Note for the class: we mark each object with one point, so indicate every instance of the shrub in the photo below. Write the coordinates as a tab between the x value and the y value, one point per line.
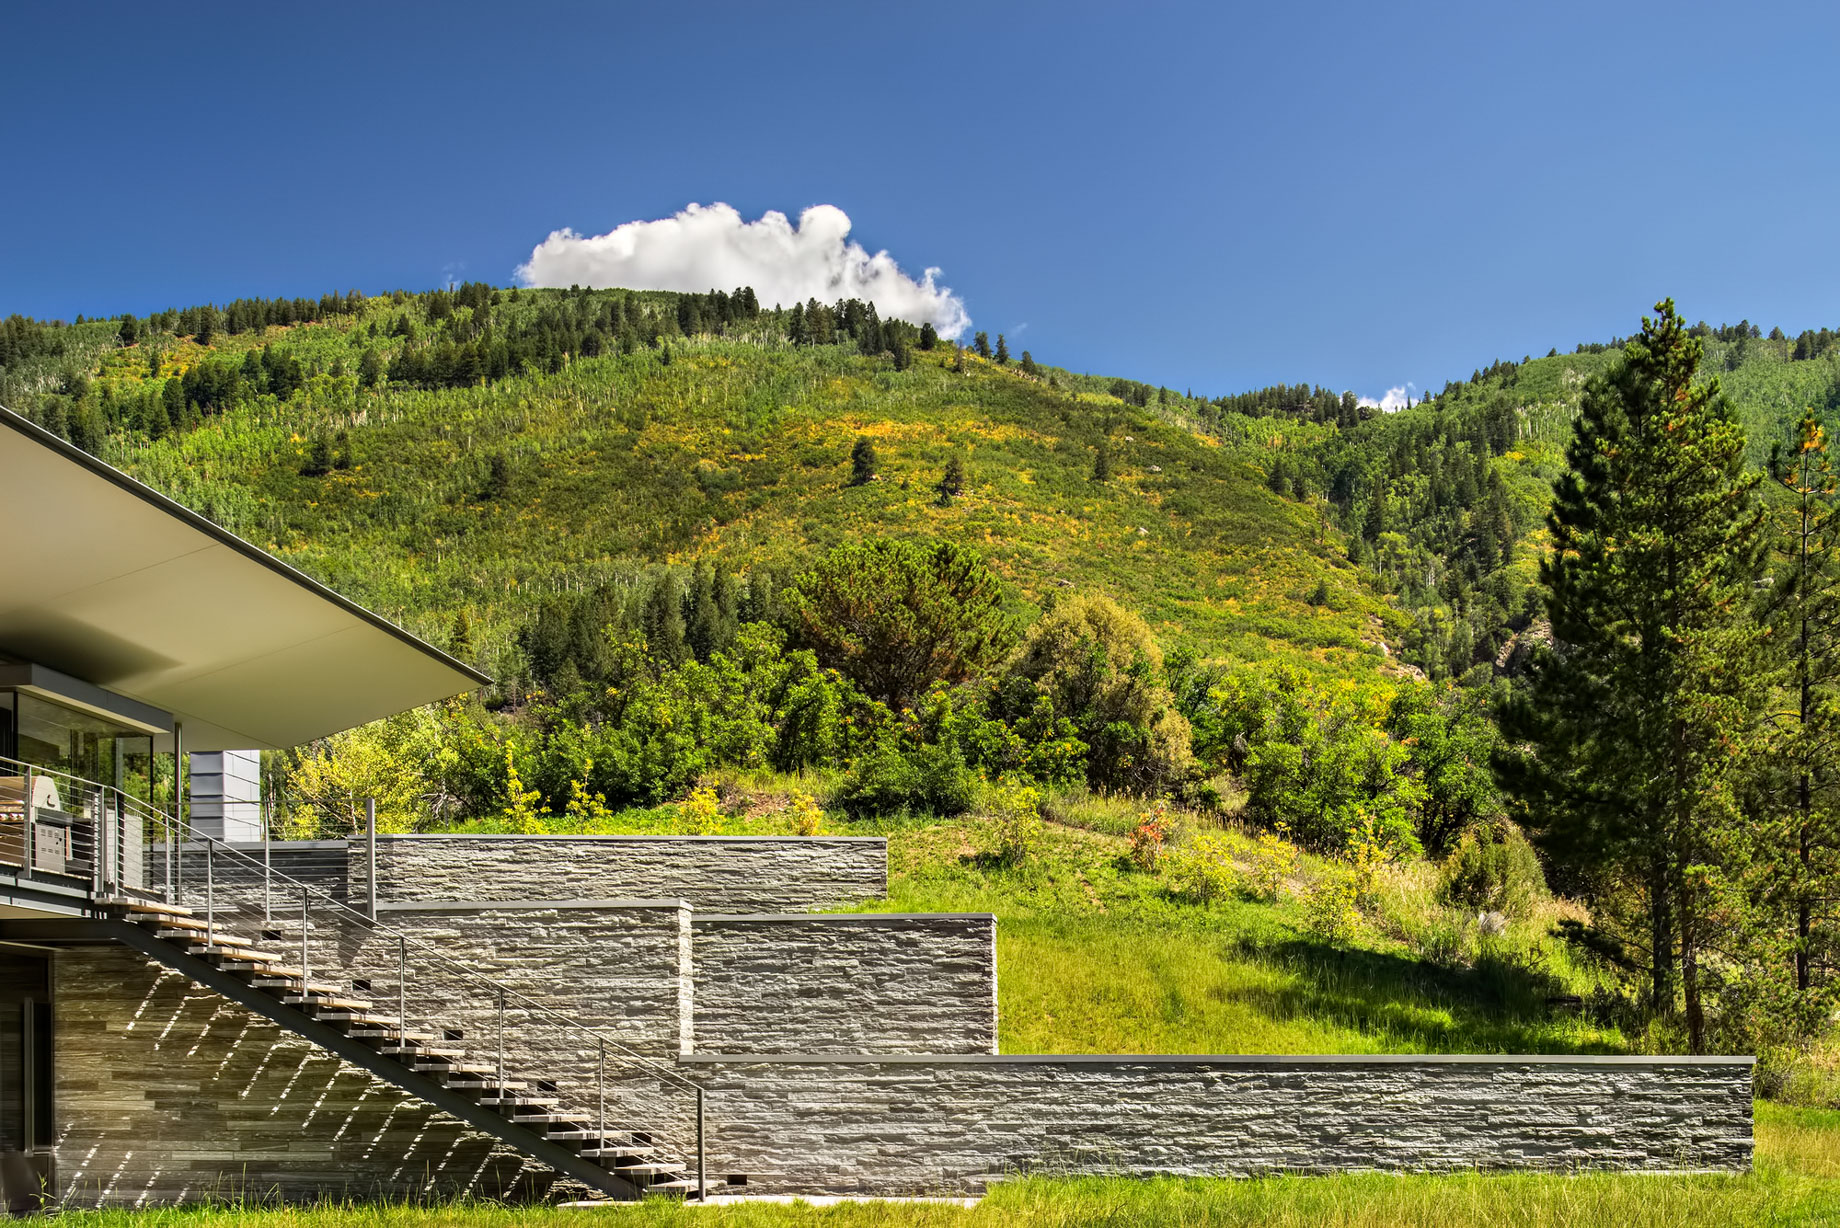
1202	870
1274	861
1329	908
1493	869
1016	825
1102	668
1147	840
888	779
700	812
806	818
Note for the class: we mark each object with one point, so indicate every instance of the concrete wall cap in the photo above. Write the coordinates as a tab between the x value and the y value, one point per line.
840	918
525	905
1125	1060
557	837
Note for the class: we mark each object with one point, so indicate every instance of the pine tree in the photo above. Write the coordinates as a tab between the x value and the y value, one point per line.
460	637
951	482
1631	729
663	620
1002	354
1102	462
1028	364
981	343
1803	613
929	336
862	462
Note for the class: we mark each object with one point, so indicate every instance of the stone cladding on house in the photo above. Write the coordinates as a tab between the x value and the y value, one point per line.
168	1093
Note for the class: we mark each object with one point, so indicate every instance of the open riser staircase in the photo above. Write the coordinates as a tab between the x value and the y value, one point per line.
526	1114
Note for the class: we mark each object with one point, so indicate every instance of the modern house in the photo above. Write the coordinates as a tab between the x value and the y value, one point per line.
187	1013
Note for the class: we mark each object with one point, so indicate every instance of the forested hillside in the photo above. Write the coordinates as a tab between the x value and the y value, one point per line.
690	536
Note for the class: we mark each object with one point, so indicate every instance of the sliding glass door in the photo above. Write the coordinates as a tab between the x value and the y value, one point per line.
26	1083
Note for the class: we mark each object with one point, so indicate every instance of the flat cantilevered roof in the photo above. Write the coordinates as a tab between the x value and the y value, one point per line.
109	581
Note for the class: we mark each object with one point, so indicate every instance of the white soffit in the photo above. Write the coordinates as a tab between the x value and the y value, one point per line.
106	580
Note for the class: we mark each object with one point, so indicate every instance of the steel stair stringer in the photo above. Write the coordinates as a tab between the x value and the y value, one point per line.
202	972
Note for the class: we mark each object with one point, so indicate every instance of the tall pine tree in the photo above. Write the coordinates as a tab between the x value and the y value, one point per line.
1633	727
1803	615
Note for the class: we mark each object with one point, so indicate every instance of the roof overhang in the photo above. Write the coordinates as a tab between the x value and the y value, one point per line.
109	581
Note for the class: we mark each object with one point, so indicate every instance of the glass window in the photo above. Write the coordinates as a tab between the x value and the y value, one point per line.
61	739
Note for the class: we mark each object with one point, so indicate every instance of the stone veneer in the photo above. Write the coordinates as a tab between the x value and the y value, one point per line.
712	873
846	983
950	1125
168	1093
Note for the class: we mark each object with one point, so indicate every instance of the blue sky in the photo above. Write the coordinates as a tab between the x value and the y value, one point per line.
1208	196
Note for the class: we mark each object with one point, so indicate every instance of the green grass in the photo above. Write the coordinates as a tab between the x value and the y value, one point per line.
1095	956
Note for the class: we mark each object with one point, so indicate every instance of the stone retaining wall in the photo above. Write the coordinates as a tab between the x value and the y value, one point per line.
944	1125
846	983
618	967
168	1093
712	873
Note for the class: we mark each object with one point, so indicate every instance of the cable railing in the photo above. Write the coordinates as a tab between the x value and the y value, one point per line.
51	822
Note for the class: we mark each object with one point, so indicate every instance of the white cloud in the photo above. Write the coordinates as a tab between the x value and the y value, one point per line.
710	247
1395	398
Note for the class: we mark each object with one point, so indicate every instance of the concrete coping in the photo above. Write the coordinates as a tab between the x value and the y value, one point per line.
843	918
523	905
278	846
543	837
1221	1059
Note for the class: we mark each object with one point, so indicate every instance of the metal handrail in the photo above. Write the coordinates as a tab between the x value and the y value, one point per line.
178	831
405	941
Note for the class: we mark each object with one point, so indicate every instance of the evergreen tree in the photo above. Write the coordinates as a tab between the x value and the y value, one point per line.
1002	355
1029	367
703	625
370	369
1632	726
1102	462
460	638
951	482
319	459
981	343
929	336
862	462
1803	613
663	620
130	330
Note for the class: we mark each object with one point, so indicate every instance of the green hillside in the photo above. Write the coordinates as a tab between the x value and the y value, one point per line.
736	448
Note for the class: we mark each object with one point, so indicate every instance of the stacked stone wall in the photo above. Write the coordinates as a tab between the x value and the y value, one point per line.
846	983
950	1125
728	874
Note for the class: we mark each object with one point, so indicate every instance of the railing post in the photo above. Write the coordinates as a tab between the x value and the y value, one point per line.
702	1183
266	820
304	969
210	890
402	988
98	843
178	840
370	841
31	828
600	1091
501	1042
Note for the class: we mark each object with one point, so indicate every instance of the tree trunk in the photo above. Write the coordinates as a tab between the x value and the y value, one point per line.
1661	939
